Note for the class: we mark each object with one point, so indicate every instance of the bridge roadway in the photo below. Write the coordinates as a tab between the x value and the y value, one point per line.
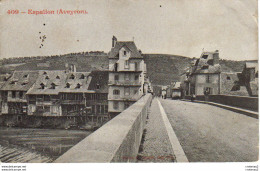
212	134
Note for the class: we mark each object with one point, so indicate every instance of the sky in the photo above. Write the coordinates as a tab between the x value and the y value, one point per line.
179	27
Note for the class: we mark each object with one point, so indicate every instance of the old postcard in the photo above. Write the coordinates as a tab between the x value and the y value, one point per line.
118	81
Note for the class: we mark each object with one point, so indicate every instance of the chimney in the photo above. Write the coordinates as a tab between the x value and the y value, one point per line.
114	40
216	57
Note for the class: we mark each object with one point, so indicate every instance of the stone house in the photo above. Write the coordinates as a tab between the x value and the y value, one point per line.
97	102
13	92
206	75
126	76
58	93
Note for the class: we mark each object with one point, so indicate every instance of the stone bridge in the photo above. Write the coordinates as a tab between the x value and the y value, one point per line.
165	130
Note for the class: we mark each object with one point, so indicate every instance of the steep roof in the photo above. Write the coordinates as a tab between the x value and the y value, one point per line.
130	45
20	81
77	82
99	78
252	64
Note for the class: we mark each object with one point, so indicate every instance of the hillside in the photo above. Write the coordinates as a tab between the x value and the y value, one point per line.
162	69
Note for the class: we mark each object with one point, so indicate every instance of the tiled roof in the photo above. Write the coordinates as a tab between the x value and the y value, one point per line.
20	81
252	65
99	78
130	45
78	82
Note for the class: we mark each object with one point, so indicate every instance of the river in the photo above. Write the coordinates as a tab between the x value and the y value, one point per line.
26	145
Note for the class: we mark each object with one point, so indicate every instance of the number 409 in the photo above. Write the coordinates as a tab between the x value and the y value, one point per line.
13	12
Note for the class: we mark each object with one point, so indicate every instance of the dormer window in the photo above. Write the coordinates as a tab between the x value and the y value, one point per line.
78	85
47	77
58	77
72	77
205	56
53	86
25	76
82	76
67	85
44	73
205	67
42	86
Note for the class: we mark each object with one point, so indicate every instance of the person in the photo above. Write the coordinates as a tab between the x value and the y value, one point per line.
206	94
192	97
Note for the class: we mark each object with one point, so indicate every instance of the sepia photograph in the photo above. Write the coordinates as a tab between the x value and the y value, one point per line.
128	81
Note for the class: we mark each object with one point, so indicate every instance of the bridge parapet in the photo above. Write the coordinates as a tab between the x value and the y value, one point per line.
116	141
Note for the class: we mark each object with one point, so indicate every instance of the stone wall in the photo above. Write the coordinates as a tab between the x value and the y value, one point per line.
244	102
116	141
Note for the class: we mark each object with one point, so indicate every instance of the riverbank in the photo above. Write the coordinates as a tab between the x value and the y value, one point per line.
90	123
43	145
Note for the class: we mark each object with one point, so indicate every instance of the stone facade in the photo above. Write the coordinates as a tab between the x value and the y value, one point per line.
126	76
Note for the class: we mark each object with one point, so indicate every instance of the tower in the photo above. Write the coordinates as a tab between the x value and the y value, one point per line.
126	76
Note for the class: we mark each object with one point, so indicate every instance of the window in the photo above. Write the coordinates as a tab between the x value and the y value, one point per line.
207	78
25	76
42	86
127	77
58	77
72	76
116	92
98	109
12	82
13	94
115	105
53	86
136	77
93	109
126	64
205	56
82	76
44	73
78	85
116	66
67	85
47	77
205	67
98	86
228	78
106	109
136	66
124	53
116	77
127	91
21	94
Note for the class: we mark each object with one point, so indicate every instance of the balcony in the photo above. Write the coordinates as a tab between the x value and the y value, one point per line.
72	102
124	83
134	97
122	68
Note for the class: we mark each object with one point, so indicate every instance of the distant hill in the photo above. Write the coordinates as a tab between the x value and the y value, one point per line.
162	69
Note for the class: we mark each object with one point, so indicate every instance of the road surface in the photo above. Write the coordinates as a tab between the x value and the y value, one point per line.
211	134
